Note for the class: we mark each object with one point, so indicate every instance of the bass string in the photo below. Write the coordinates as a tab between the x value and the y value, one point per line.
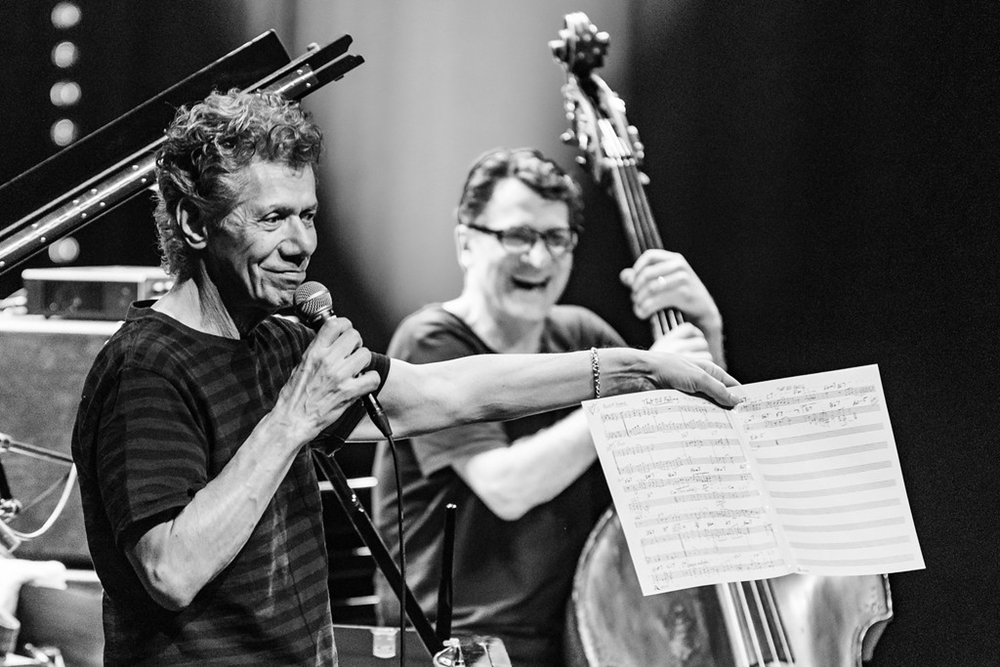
643	235
636	214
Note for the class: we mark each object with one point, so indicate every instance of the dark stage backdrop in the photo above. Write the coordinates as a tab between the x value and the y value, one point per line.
831	171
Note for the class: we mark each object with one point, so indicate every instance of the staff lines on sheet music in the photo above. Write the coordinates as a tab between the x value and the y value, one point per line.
820	454
617	447
657	428
646	505
704	533
822	435
856	562
798	396
857	544
839	509
716	549
653	407
645	427
836	415
665	578
679	401
828	473
680	484
719	514
839	527
836	490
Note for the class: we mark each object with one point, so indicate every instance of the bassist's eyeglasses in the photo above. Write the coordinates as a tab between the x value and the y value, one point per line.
519	240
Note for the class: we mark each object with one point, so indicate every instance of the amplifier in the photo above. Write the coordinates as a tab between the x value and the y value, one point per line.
43	364
91	293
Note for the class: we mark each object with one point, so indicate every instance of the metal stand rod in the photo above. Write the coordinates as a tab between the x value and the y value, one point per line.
445	590
8	443
383	559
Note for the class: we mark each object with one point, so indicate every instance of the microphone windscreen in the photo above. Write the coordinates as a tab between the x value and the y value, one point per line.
312	299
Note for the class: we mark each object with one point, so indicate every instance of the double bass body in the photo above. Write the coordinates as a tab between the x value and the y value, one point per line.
827	621
796	620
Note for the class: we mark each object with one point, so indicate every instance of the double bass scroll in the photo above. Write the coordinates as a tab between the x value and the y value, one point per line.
790	621
609	144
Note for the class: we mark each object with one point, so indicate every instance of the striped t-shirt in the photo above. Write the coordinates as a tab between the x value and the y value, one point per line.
164	408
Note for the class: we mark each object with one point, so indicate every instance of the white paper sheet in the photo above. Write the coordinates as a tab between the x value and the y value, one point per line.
803	476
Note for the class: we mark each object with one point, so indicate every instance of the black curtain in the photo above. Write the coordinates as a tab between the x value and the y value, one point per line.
830	170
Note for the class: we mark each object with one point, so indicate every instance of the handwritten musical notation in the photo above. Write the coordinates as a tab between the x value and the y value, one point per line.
803	476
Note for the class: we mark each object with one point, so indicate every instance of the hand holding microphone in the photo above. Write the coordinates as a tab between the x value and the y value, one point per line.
314	306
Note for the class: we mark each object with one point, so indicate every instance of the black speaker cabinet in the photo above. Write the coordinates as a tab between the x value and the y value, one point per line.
43	364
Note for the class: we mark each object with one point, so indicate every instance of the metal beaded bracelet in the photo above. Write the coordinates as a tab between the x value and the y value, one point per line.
595	367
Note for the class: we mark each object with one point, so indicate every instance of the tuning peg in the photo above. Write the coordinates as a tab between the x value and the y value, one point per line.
581	160
558	48
568	137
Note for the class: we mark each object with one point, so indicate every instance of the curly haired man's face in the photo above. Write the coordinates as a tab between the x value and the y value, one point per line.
259	254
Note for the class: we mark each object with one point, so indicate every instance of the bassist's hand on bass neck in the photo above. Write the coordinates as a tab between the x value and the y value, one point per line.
661	280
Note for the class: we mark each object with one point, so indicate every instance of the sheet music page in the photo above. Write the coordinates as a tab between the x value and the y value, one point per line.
803	476
823	447
689	506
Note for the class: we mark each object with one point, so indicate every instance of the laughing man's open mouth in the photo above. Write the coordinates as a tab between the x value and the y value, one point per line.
530	284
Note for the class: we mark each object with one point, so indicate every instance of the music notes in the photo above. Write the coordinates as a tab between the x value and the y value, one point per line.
803	476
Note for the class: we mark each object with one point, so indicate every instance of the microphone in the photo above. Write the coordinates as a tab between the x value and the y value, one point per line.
314	305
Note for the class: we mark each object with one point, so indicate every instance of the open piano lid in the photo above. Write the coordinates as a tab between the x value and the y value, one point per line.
90	177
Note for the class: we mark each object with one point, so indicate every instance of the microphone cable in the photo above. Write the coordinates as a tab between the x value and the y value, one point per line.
314	305
381	421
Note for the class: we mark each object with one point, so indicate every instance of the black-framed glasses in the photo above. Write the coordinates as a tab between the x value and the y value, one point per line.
519	240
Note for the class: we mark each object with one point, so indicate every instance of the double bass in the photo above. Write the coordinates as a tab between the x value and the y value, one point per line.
791	621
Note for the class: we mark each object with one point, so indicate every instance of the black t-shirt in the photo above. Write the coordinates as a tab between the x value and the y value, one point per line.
512	579
164	409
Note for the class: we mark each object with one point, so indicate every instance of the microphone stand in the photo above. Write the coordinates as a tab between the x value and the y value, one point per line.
446	589
383	559
9	506
8	443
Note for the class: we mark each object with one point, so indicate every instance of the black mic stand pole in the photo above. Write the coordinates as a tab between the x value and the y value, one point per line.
446	588
383	559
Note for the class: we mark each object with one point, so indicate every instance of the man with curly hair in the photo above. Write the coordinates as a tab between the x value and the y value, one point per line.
200	499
